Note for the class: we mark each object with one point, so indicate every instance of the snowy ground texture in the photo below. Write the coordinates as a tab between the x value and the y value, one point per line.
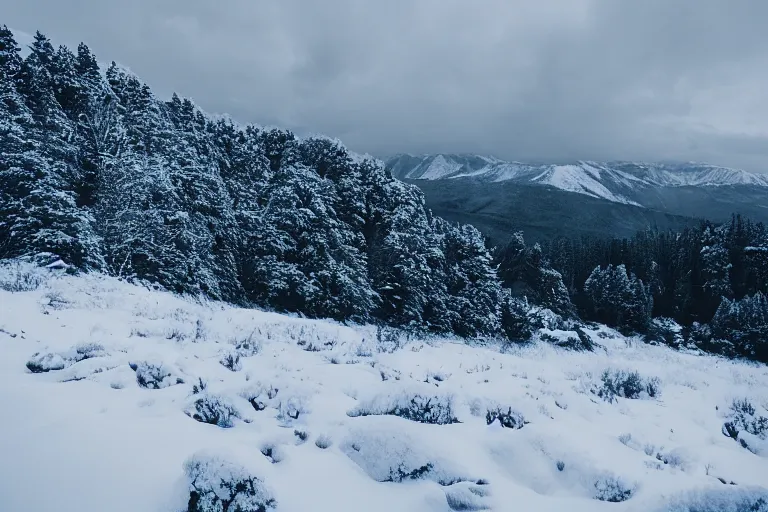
115	397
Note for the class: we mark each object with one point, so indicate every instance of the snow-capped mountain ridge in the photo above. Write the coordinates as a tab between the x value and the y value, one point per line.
615	181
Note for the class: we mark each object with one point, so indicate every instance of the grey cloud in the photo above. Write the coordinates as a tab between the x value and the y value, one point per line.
520	79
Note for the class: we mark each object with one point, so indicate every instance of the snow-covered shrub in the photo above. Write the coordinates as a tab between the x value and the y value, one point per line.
290	409
199	387
624	384
17	276
467	496
323	442
42	362
214	410
674	459
391	455
613	489
515	322
576	339
423	408
155	375
231	361
389	339
56	300
248	347
216	485
506	417
273	452
723	499
259	395
746	425
301	436
542	318
665	331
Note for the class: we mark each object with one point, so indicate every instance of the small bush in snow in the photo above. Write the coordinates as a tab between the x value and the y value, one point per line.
272	452
52	361
743	417
577	339
436	410
612	489
620	383
231	361
258	395
301	436
390	339
248	347
216	485
323	442
291	409
673	459
16	276
391	455
154	375
560	465
199	387
665	331
507	418
214	410
466	496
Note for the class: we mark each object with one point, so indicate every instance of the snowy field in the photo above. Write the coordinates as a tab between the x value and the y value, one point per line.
103	385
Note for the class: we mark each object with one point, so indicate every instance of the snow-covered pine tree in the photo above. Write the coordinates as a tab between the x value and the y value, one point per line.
305	260
139	213
50	219
528	275
245	171
401	248
16	162
473	288
617	299
743	325
207	230
715	270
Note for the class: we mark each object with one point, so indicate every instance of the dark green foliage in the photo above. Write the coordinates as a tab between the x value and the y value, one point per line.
154	375
515	323
400	473
743	325
526	272
613	490
506	418
665	331
214	410
614	298
701	275
620	383
744	417
219	486
420	408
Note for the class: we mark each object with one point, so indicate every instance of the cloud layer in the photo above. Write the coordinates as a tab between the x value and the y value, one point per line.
520	79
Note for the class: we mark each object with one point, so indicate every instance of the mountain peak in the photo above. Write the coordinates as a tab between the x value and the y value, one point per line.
616	181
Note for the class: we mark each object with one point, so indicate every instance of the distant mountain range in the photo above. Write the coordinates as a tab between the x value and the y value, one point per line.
541	198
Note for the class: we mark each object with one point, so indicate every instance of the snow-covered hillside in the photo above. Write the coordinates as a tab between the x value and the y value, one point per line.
614	181
101	384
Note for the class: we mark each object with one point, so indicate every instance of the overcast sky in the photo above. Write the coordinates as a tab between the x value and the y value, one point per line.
545	80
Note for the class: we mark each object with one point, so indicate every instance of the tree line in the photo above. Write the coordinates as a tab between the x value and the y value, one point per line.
710	279
99	171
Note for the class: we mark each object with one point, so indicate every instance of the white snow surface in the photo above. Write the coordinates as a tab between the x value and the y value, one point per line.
88	438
